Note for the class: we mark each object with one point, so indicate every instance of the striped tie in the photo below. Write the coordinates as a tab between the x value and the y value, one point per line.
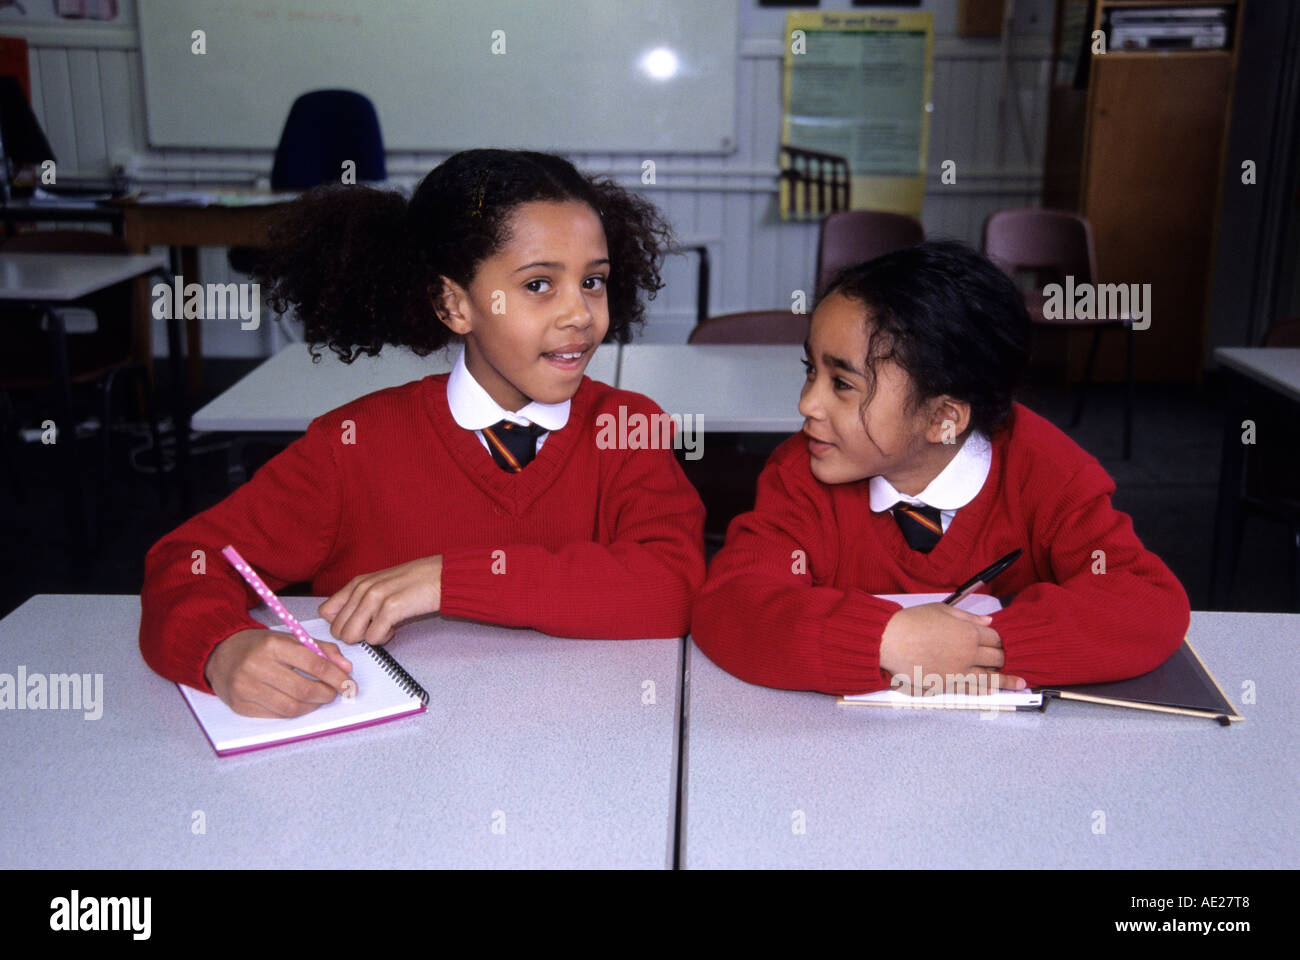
512	446
921	525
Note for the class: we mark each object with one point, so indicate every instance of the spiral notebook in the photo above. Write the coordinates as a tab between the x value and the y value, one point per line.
387	692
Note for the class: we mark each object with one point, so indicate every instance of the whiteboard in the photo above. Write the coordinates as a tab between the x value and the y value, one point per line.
444	75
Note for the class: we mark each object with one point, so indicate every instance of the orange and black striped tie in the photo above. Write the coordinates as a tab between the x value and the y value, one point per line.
921	526
512	446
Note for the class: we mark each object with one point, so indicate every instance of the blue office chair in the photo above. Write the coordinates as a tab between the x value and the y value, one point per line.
324	129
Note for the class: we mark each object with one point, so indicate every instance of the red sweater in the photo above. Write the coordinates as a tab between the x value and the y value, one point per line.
600	543
763	619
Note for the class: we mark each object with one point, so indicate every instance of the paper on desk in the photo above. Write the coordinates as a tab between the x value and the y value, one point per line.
980	604
81	201
178	198
216	198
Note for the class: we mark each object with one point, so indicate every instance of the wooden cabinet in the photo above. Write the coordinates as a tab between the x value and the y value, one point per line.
1149	178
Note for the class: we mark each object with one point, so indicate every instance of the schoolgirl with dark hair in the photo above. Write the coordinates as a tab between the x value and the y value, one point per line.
482	493
914	471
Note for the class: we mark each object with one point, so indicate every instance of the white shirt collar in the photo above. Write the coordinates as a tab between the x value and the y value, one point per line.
473	409
956	485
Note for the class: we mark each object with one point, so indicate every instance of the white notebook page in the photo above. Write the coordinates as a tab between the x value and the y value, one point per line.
379	697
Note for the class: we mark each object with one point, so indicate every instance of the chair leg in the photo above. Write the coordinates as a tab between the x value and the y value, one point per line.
1129	389
106	445
8	420
15	484
1295	567
1087	378
143	374
1230	575
106	433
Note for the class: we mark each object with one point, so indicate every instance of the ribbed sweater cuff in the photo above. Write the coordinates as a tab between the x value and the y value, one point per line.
214	629
469	587
1030	643
851	643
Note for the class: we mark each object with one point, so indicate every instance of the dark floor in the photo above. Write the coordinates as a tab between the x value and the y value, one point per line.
1169	488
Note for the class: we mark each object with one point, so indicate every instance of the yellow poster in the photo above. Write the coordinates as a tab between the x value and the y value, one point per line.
856	117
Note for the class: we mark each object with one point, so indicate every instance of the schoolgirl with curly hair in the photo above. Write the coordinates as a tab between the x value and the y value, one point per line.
483	493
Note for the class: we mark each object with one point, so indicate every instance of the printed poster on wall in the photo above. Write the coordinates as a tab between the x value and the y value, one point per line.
857	87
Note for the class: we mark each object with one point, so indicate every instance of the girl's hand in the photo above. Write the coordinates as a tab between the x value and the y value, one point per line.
255	673
940	639
370	607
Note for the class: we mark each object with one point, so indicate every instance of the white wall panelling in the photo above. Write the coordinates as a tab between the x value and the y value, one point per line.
87	92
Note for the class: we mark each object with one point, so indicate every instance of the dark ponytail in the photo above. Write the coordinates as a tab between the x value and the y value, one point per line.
361	266
343	257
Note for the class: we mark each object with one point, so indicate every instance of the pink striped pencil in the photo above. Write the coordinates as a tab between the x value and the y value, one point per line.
272	601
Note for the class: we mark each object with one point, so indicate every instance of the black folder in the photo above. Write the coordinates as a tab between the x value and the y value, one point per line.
1181	684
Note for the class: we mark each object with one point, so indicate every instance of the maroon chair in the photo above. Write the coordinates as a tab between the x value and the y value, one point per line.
756	326
852	236
1284	333
1053	245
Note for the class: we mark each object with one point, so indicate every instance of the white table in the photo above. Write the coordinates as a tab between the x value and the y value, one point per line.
46	280
288	391
549	737
1276	369
936	788
745	388
62	277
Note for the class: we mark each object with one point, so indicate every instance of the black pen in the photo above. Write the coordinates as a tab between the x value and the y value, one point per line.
985	576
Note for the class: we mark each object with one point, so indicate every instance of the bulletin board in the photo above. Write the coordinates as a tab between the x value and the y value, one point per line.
858	86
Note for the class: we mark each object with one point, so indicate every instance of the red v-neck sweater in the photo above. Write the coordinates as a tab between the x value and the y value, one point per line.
584	542
808	621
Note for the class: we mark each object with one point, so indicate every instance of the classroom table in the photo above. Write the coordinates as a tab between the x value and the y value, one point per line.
64	208
1276	369
184	227
279	398
742	388
553	741
45	281
750	388
286	392
960	789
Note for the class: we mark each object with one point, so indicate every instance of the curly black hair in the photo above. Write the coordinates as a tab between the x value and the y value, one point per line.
951	319
362	266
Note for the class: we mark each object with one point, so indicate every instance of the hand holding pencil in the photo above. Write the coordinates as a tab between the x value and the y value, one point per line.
268	673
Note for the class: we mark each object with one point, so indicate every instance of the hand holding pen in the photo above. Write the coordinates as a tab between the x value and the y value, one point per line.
983	578
939	638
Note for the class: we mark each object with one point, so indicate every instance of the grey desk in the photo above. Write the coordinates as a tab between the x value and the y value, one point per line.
44	281
288	391
283	395
64	277
549	738
747	388
1276	369
68	208
936	788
